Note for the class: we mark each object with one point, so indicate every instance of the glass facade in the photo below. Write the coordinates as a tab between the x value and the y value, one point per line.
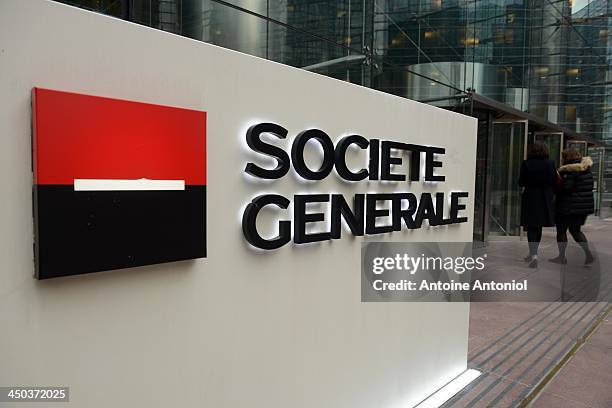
541	68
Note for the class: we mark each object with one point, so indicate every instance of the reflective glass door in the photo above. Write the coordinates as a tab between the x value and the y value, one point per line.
480	191
554	142
597	155
507	150
578	145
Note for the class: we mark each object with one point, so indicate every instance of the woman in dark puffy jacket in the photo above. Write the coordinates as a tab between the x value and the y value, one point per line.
574	202
538	178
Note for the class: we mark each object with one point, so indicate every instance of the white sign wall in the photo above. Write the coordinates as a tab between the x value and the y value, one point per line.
242	327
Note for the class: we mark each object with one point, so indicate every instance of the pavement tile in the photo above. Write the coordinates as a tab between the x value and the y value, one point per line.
548	400
603	336
585	379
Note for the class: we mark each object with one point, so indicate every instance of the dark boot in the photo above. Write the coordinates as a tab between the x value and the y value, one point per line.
560	259
589	258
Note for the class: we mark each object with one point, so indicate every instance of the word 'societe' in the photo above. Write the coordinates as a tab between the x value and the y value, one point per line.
364	216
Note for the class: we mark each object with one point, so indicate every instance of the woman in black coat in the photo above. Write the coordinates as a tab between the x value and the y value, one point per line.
538	178
574	202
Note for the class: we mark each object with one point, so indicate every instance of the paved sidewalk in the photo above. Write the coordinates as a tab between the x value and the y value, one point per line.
518	344
586	381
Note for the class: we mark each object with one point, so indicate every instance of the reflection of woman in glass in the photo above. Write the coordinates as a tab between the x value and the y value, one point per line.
537	177
574	201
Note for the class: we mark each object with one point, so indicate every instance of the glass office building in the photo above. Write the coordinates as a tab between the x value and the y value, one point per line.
527	69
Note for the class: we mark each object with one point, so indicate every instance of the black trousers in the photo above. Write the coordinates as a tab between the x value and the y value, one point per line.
576	233
534	236
574	230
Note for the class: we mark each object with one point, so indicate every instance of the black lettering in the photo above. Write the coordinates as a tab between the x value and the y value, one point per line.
341	167
253	138
415	163
249	222
297	154
386	161
372	213
354	218
455	207
302	218
430	164
374	159
407	214
440	198
425	211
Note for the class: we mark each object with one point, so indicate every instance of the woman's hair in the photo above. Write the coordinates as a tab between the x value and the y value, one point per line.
571	155
537	149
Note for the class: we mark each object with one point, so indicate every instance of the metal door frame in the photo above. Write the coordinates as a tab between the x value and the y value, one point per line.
601	152
561	137
581	142
487	236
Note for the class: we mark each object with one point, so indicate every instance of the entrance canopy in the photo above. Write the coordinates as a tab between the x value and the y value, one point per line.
471	102
535	123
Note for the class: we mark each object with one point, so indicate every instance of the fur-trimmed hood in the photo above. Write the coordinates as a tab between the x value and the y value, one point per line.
584	165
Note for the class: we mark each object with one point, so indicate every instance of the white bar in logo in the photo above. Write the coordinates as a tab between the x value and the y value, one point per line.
142	184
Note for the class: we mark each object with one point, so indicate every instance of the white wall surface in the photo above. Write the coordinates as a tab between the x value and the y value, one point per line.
240	328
